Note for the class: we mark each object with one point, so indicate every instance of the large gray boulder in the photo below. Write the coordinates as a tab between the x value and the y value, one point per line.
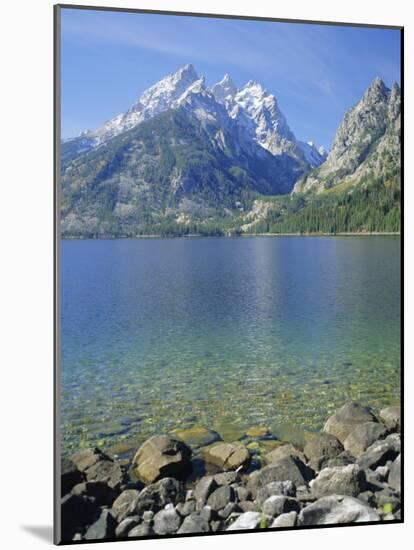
126	525
88	457
286	469
186	508
194	524
167	521
141	530
156	496
162	456
97	466
281	488
363	436
276	505
336	509
346	419
379	453
221	497
247	520
282	452
226	456
391	416
125	504
347	480
322	448
204	487
285	520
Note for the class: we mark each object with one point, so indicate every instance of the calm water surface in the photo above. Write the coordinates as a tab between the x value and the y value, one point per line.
226	333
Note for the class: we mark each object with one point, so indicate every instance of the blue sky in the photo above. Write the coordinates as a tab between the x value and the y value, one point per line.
315	71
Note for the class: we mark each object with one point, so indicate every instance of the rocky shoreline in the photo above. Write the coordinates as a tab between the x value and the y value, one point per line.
350	472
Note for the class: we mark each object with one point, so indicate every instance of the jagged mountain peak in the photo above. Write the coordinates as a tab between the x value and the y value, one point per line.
254	84
376	91
227	79
170	87
366	139
395	89
252	114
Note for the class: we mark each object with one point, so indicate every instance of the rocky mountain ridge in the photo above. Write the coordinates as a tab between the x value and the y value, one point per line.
191	159
367	141
252	107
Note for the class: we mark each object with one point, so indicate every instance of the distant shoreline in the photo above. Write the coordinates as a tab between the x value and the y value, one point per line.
244	235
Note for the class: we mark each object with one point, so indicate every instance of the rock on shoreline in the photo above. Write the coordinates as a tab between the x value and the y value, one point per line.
348	473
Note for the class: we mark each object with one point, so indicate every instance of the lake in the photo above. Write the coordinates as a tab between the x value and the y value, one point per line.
227	333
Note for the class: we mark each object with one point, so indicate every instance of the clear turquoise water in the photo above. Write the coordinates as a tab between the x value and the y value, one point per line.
158	334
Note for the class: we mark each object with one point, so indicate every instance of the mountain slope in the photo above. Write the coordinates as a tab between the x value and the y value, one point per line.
163	168
190	159
367	142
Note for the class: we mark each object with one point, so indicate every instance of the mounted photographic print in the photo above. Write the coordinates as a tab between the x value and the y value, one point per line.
228	274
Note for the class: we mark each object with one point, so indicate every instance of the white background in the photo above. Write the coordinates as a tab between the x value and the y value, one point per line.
26	303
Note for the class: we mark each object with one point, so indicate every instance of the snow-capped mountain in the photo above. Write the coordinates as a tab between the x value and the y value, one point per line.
257	111
156	99
184	151
225	90
251	114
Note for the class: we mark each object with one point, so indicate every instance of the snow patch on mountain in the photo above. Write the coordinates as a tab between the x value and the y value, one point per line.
313	155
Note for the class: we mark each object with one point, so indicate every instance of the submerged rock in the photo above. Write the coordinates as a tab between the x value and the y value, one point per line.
162	456
226	455
258	432
197	436
346	419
